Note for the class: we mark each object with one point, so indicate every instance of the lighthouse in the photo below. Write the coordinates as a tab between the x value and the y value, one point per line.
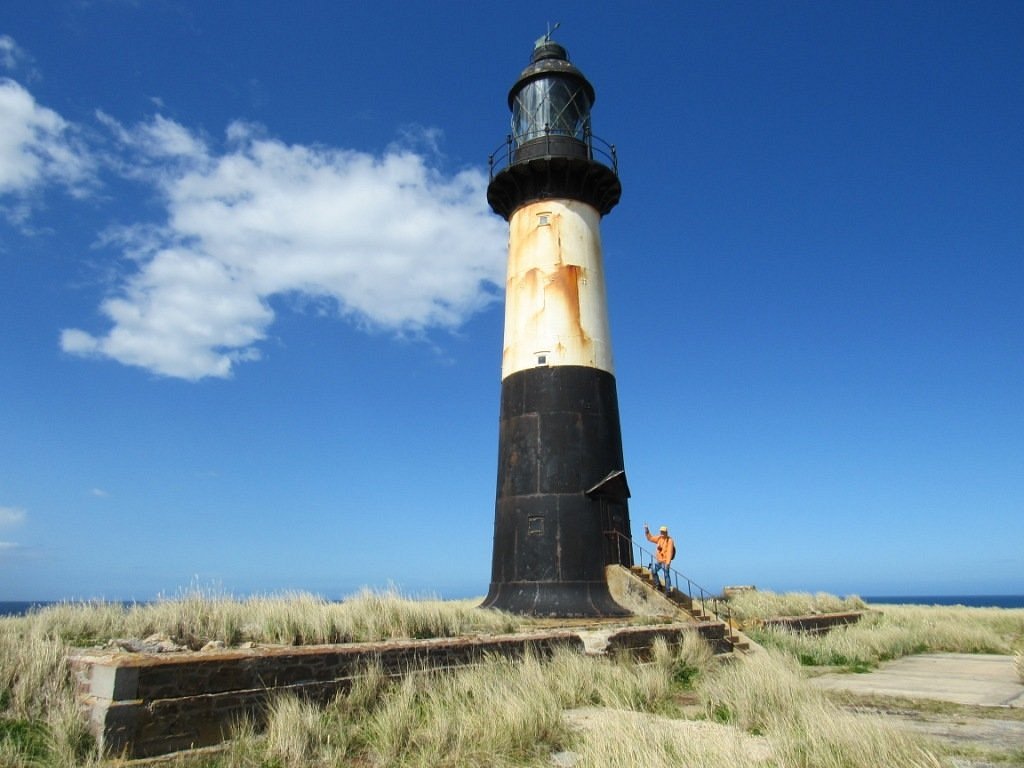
561	514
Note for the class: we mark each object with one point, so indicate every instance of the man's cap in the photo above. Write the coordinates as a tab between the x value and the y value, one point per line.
664	529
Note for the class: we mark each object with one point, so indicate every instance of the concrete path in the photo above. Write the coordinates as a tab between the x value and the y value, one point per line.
980	679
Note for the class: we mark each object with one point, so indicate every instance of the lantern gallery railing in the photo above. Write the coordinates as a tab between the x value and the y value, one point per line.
551	143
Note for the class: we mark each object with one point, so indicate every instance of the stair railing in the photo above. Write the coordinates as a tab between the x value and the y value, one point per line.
720	608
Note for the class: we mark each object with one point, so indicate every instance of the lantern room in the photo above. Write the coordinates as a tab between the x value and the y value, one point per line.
550	105
551	150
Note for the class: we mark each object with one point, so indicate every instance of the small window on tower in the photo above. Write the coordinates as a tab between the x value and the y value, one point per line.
535	526
542	359
543	219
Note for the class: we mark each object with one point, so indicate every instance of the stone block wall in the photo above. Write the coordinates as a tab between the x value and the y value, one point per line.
638	641
143	705
140	705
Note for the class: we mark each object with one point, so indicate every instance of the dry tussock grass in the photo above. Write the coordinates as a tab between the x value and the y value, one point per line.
766	695
611	737
198	616
753	713
894	631
755	604
33	673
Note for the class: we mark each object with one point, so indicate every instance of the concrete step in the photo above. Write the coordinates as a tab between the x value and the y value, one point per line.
716	631
725	642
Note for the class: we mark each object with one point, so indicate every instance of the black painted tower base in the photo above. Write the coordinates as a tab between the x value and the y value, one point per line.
555	521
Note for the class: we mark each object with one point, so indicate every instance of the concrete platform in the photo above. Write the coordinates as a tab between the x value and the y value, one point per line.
985	680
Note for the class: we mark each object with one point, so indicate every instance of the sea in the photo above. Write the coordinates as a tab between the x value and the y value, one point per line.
21	607
972	601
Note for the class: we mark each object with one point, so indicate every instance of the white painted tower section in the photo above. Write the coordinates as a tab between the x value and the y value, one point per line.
556	310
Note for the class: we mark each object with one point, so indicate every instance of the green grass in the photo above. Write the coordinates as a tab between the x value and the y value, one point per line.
27	738
58	739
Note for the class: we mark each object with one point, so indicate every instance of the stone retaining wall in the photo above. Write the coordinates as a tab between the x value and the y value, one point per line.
816	623
638	641
142	705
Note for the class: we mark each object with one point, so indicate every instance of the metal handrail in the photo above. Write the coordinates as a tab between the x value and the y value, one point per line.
721	609
598	150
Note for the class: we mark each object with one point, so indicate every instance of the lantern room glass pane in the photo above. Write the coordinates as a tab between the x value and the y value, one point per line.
550	105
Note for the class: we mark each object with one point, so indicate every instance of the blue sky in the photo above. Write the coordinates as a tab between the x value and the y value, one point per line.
251	309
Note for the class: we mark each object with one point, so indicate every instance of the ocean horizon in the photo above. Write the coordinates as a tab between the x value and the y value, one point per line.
21	607
971	601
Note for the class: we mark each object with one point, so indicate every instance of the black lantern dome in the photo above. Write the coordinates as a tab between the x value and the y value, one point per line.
551	151
550	101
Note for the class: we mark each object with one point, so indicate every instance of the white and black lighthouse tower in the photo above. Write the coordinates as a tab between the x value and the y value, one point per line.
561	513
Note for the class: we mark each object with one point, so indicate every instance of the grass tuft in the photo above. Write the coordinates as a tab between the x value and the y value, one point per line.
198	616
766	695
33	671
23	740
752	605
295	732
895	631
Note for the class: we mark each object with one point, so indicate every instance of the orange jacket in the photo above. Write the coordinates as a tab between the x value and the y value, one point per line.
665	548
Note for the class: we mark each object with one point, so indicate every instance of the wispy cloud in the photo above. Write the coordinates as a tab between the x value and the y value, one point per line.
99	493
37	148
13	57
10	53
390	242
11	516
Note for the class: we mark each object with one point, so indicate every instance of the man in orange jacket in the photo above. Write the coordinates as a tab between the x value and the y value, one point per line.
664	554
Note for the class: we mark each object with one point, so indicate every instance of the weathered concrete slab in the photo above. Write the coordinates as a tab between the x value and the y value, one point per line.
986	680
959	729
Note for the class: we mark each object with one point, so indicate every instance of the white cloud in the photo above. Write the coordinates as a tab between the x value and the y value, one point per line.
14	58
10	53
37	147
159	138
99	493
11	516
390	241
